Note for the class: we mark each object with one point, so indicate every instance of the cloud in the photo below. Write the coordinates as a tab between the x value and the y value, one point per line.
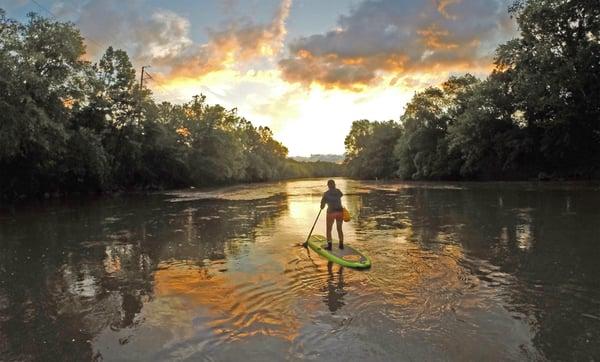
399	37
442	7
109	22
241	40
163	38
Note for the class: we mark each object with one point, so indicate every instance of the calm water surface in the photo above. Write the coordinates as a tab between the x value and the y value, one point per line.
460	272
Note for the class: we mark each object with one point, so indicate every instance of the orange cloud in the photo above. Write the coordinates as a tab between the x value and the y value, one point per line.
332	70
385	37
162	38
442	6
434	38
240	41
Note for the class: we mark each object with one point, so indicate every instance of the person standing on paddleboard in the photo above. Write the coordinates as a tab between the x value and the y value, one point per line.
335	212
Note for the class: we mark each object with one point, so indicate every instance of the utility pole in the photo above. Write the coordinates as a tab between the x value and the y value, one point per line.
142	77
140	94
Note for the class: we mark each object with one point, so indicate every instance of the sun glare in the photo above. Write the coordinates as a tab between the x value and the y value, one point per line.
306	120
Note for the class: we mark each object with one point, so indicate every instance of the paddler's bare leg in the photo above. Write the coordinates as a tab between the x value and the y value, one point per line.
338	225
329	227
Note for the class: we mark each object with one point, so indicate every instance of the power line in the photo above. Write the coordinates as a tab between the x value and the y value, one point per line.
99	45
113	41
56	18
44	8
211	91
159	84
142	77
144	72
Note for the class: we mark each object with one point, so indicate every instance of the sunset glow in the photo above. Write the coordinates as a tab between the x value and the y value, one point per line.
304	69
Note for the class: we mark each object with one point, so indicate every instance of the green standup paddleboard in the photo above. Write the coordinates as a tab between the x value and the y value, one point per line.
348	256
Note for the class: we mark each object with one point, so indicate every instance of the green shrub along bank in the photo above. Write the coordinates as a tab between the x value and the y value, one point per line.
536	116
67	125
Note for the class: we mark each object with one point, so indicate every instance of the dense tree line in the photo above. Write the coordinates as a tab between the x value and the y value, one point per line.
69	125
536	115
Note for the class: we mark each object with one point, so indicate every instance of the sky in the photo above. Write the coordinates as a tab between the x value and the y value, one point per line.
305	68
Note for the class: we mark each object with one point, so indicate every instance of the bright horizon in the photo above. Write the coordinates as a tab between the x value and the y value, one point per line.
305	69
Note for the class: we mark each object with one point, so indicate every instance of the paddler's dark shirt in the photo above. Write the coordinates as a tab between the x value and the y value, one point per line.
333	199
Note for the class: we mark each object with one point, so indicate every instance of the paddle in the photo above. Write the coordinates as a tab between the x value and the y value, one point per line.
311	230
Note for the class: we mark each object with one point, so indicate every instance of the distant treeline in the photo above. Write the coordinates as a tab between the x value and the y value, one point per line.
536	116
322	158
67	125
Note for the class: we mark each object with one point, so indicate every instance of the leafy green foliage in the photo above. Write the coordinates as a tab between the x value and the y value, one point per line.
369	147
39	65
538	113
67	125
553	73
422	151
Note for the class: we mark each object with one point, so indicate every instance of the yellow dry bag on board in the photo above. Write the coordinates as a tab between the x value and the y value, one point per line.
346	215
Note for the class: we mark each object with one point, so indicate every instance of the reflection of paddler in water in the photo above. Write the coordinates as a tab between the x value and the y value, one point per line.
335	292
335	212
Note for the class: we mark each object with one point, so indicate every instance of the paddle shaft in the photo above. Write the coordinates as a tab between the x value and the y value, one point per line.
313	227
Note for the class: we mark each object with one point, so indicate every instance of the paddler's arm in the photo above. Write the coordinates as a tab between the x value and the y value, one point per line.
323	202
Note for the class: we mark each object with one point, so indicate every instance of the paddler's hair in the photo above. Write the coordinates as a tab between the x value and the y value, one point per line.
331	184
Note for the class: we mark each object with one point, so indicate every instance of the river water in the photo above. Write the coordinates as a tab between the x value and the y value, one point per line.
495	271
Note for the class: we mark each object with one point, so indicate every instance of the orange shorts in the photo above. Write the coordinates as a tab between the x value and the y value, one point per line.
336	215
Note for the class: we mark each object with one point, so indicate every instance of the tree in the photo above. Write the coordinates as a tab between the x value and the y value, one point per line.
40	63
115	108
67	125
265	156
422	151
369	149
553	72
487	136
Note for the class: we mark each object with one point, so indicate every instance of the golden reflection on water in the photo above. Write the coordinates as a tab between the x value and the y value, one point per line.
272	288
262	284
304	208
456	274
233	305
265	293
